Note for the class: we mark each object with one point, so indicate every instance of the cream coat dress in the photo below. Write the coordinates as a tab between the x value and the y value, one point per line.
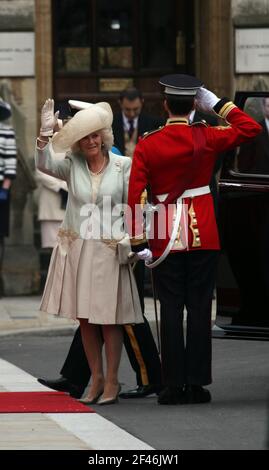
85	279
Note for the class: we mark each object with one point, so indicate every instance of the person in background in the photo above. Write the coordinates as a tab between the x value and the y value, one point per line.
131	122
8	160
253	157
51	206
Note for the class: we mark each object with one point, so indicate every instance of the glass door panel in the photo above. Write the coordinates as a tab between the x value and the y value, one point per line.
114	34
73	38
157	33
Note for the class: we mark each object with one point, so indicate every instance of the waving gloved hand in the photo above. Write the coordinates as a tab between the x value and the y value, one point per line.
205	100
49	120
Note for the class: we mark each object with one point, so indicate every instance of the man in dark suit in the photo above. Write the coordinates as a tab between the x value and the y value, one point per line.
131	122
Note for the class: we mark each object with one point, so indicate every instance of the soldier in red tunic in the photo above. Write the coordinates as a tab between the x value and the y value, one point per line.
177	162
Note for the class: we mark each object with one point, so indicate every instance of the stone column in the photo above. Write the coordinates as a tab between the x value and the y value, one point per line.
213	45
43	37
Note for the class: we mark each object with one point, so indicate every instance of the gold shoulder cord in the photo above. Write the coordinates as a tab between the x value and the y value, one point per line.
147	134
143	198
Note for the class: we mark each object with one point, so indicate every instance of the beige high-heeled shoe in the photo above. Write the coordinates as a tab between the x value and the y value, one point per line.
91	400
110	400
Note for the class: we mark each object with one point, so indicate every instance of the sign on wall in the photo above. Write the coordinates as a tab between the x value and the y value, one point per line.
252	50
17	54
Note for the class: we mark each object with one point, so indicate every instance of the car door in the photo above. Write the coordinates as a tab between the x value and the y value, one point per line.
243	218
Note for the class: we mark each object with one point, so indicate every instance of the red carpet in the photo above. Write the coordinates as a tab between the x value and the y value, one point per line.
40	402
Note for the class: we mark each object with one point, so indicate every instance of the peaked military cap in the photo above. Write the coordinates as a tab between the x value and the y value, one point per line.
180	84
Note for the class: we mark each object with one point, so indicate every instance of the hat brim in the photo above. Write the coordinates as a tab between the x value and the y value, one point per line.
180	91
180	85
79	105
86	121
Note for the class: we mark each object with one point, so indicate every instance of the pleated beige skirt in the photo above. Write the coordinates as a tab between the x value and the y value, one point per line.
85	280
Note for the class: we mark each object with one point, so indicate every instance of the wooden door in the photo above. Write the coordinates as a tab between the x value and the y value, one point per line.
102	47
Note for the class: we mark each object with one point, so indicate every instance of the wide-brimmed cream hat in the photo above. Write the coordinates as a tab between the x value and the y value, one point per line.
92	118
75	104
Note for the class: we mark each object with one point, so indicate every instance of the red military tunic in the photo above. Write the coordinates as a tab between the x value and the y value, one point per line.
165	159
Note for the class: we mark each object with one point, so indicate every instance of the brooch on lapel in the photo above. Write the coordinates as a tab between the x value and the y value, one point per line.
118	166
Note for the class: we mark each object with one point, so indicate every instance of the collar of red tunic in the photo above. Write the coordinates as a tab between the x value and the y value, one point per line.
177	120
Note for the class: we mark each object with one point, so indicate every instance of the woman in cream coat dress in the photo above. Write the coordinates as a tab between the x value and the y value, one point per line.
85	280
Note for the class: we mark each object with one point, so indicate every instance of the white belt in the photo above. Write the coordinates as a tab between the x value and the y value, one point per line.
188	193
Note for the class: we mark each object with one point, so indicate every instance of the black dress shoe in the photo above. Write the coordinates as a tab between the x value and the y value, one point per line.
197	394
63	385
141	391
172	395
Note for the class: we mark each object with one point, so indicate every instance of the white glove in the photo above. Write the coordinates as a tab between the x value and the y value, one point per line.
191	116
48	119
205	100
145	254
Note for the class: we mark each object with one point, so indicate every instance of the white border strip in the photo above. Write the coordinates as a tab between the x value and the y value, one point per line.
14	379
97	432
94	430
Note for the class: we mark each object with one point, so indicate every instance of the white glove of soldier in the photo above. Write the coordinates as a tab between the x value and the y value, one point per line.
145	255
48	119
205	100
191	116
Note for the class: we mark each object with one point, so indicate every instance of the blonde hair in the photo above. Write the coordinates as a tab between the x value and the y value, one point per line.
106	136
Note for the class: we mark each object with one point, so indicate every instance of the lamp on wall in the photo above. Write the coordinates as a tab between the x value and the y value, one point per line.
115	24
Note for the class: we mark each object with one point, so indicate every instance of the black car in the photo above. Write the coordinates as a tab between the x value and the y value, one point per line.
243	218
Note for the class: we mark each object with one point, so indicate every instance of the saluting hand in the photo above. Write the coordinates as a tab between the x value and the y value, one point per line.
205	100
48	119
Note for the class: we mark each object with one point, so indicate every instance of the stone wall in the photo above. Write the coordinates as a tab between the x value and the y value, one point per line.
16	15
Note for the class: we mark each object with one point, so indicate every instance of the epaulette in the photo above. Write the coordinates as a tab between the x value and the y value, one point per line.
203	122
146	134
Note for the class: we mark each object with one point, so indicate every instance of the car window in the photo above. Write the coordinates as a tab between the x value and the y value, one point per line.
252	159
